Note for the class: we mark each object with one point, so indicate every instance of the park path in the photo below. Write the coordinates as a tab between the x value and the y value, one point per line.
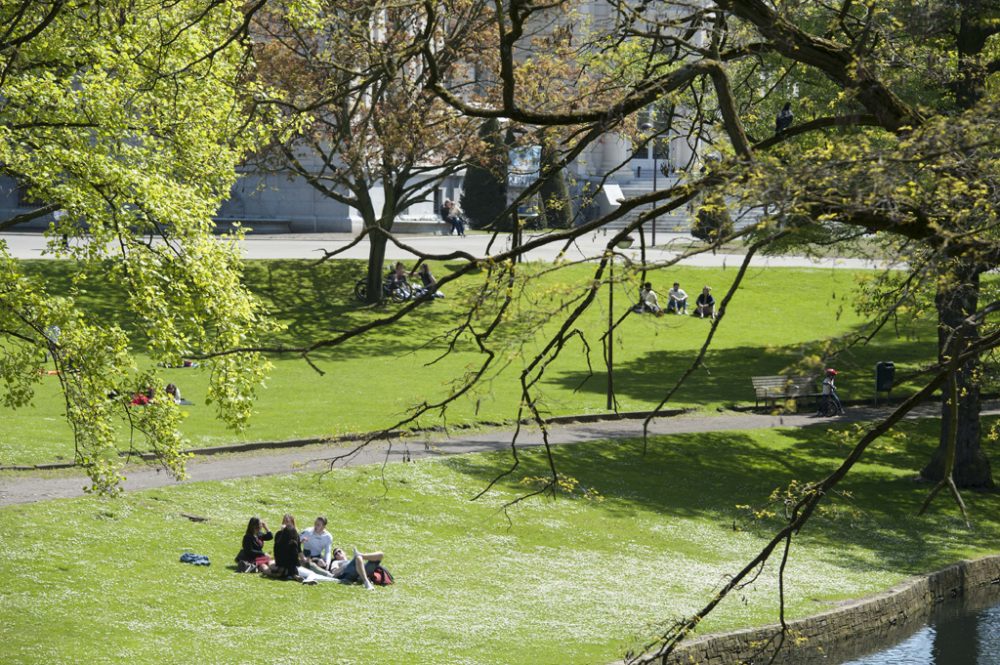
29	487
312	245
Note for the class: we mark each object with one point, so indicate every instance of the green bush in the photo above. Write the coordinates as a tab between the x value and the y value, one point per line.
484	191
713	219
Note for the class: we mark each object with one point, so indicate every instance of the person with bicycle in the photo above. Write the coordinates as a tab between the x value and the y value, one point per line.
830	402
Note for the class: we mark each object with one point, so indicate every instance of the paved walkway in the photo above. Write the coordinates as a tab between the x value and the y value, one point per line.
28	487
311	246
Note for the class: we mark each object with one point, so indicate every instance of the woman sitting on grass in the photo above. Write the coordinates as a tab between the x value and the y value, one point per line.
428	281
252	557
287	550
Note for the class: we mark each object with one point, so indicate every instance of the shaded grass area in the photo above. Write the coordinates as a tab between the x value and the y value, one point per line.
565	580
780	317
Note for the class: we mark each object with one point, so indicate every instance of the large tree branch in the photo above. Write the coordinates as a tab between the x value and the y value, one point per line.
13	42
837	62
852	120
28	216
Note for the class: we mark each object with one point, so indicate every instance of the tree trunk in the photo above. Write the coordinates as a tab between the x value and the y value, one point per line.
554	191
376	266
956	299
958	295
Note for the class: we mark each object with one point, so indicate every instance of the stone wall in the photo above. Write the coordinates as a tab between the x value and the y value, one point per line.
854	628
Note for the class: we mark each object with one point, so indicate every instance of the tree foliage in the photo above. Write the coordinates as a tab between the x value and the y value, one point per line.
126	119
349	81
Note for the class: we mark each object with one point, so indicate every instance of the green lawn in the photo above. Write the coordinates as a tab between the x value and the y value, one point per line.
570	580
780	316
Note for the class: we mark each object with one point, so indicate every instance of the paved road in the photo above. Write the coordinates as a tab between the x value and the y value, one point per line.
28	487
310	246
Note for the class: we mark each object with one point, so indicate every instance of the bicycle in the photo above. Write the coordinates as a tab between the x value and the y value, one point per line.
829	405
395	291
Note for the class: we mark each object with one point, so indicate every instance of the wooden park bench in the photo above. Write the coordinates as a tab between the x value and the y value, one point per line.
774	388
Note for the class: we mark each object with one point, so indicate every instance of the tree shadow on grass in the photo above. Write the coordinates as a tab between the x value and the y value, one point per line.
314	301
706	476
725	376
317	302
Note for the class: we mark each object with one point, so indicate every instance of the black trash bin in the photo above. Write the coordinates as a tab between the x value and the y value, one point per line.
885	374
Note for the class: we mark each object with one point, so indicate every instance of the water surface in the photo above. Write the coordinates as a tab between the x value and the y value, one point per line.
959	637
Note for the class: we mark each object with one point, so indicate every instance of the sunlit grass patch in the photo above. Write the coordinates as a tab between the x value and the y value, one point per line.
372	381
550	580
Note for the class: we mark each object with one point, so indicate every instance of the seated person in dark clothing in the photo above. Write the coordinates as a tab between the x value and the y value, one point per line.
428	282
144	398
252	557
287	550
397	276
705	304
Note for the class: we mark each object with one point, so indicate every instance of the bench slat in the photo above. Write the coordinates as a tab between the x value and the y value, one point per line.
772	388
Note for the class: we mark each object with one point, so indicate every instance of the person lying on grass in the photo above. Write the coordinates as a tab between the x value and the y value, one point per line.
356	569
342	570
252	557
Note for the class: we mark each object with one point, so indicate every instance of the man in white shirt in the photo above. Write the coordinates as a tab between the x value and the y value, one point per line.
648	302
677	300
317	543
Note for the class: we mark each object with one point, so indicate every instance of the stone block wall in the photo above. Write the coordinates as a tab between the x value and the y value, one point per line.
854	628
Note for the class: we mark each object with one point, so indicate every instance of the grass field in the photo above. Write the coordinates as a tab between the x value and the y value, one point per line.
780	316
570	580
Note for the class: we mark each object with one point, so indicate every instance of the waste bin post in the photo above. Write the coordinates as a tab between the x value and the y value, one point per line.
885	375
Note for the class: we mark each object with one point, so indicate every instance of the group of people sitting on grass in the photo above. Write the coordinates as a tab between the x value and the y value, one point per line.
308	557
148	396
398	276
677	302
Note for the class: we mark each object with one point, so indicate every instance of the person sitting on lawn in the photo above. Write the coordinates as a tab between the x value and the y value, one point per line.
428	281
356	569
705	304
677	300
287	550
252	557
143	398
317	544
830	401
648	301
397	277
174	393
